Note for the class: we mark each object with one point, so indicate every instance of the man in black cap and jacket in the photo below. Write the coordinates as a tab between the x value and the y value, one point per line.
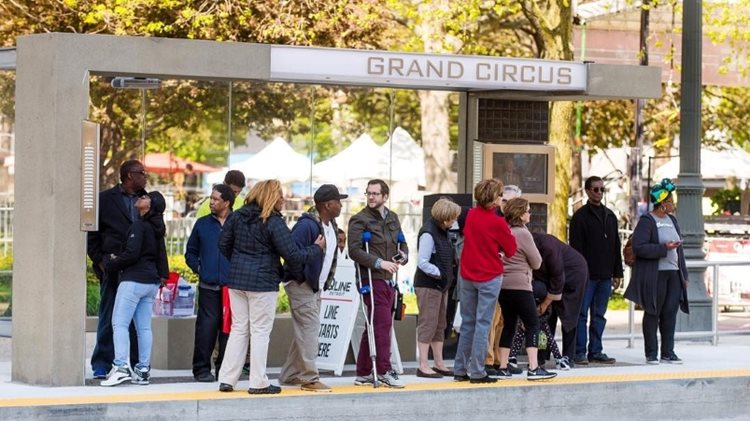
303	288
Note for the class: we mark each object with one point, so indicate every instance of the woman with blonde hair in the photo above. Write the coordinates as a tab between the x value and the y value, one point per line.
254	239
486	236
432	282
517	297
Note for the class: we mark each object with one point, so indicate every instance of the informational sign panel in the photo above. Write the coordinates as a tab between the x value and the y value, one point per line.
89	176
339	306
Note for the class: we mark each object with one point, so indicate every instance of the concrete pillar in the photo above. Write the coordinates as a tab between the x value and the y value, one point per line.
690	189
49	284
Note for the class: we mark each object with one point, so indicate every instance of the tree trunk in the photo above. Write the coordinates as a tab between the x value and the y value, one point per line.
434	104
435	137
560	135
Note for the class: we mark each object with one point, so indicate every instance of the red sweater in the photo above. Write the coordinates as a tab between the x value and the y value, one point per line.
485	235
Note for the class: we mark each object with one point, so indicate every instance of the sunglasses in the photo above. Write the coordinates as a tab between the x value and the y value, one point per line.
141	172
598	189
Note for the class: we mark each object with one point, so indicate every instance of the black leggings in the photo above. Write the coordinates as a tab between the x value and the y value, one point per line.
514	304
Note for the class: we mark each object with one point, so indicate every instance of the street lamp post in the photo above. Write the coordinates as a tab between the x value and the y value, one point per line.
690	181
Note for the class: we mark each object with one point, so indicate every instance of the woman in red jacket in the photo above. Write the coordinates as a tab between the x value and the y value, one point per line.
486	237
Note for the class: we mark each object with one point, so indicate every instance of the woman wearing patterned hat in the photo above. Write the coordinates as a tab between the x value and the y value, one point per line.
660	277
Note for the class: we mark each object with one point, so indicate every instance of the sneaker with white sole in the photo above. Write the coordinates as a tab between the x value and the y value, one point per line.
539	374
364	380
117	375
141	375
390	379
671	359
652	361
563	364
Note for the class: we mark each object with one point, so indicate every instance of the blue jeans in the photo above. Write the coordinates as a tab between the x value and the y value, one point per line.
104	351
134	301
595	303
477	308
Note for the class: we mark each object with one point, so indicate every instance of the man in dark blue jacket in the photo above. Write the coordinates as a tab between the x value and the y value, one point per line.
304	286
116	213
593	233
203	258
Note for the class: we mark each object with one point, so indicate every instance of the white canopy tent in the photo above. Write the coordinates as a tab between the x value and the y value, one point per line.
277	160
360	160
405	158
715	164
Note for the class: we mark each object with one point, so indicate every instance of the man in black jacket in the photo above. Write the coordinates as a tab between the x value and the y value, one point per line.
304	285
116	212
593	233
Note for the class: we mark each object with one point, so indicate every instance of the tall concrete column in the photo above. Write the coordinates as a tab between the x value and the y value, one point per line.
690	188
49	278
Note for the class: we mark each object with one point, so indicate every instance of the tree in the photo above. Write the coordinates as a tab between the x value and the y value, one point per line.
190	116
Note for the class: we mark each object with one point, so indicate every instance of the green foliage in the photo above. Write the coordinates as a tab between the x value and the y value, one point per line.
177	264
617	302
6	282
282	304
93	298
722	198
411	303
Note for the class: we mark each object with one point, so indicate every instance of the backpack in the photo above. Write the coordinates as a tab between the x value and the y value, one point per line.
627	252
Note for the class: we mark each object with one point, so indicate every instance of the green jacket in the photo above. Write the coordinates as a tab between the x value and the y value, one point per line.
383	245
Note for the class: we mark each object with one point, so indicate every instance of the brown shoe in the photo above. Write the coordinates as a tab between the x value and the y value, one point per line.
436	375
315	386
443	372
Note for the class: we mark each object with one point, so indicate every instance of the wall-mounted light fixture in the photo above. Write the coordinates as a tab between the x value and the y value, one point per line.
136	83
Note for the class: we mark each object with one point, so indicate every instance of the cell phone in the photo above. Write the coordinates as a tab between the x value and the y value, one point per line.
398	258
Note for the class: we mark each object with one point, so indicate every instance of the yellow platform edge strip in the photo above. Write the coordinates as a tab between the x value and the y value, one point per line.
127	397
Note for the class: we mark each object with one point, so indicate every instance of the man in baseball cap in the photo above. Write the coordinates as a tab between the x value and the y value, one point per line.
303	287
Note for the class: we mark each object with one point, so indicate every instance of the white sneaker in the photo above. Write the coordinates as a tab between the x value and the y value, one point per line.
364	380
390	379
117	376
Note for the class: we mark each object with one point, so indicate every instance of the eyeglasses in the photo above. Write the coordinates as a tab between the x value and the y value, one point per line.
373	193
141	172
598	189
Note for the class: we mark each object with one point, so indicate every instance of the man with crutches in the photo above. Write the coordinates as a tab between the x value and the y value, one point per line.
377	255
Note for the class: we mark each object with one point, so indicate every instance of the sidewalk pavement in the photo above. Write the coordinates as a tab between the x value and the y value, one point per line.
700	359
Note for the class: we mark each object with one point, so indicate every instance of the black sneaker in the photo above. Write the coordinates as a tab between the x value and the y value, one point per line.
513	367
485	379
491	370
268	390
141	375
224	387
581	360
671	359
539	374
204	378
461	377
601	358
504	373
652	360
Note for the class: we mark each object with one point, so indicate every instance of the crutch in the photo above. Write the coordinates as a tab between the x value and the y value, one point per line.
366	237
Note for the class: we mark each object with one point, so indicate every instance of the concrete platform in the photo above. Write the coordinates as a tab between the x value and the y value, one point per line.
714	383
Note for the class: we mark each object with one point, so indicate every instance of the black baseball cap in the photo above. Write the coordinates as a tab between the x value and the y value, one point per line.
328	192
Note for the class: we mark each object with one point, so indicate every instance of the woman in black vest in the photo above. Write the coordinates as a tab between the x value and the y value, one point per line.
432	281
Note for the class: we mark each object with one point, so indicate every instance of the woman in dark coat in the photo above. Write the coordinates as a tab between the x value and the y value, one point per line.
659	279
254	239
565	273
